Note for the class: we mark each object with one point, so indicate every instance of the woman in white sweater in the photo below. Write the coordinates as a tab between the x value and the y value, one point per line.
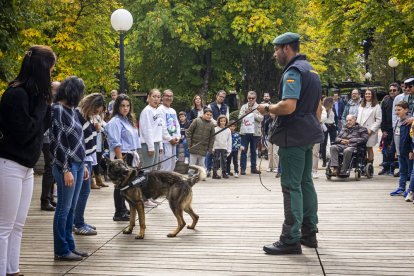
370	117
150	130
221	147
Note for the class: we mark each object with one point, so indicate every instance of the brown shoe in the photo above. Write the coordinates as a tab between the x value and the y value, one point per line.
335	171
99	181
93	184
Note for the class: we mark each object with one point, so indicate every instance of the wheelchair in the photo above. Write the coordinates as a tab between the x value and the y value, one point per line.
358	164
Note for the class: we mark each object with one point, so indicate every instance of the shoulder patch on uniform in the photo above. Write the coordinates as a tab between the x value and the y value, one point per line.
290	80
313	71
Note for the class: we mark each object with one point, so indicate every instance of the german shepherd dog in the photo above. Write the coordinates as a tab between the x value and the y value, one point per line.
174	186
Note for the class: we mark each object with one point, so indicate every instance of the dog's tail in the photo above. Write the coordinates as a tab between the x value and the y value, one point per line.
200	175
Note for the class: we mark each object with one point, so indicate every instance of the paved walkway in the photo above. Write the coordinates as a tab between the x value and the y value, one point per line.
363	231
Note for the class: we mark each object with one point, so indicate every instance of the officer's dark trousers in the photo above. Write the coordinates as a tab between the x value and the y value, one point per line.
299	195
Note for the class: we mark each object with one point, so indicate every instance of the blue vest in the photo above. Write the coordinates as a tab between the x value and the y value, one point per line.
302	126
216	111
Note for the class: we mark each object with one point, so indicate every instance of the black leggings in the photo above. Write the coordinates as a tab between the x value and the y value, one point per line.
331	130
120	207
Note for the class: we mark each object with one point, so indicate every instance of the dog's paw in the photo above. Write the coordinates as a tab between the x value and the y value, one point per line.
127	231
139	237
171	235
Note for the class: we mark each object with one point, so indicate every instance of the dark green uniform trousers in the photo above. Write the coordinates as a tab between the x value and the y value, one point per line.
299	195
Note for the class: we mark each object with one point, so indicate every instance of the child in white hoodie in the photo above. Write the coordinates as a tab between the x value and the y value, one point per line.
221	147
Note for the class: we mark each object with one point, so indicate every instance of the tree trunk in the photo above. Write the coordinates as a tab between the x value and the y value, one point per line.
205	74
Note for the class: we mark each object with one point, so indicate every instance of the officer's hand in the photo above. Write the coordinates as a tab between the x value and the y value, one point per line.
261	108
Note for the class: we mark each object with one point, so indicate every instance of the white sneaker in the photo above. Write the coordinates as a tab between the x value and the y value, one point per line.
236	175
150	204
409	197
269	170
186	160
275	170
315	175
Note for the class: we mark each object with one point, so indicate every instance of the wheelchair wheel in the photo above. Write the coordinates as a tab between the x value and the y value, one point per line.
369	170
357	175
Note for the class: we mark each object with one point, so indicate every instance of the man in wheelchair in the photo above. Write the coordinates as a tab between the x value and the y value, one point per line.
350	137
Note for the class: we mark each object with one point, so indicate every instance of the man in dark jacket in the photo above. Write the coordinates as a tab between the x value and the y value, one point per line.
387	131
297	130
346	142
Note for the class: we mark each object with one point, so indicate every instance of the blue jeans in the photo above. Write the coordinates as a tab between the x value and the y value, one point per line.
66	203
247	139
209	161
185	145
405	170
85	190
411	186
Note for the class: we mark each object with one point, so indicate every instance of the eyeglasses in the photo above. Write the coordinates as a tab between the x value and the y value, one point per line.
251	98
393	90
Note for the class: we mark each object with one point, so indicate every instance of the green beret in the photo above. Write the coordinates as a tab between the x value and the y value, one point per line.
286	38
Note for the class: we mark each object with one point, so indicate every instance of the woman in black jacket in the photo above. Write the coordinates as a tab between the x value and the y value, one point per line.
197	108
24	117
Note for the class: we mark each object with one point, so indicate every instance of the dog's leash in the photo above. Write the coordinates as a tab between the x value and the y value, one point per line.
228	126
235	122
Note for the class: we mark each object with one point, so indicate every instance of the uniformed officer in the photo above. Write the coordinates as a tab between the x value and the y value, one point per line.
297	130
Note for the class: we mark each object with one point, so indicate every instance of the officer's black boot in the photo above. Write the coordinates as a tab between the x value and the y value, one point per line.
309	240
308	237
281	248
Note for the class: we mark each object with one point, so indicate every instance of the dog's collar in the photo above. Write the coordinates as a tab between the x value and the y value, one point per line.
140	181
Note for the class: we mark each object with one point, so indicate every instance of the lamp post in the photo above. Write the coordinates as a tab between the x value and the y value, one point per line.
121	21
368	77
393	63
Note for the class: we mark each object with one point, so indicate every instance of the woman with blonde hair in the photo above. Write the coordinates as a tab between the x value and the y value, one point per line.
89	106
150	130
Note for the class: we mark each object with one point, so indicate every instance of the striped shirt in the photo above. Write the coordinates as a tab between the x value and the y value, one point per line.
66	137
89	133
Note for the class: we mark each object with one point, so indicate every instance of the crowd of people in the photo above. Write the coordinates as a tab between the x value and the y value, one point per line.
74	131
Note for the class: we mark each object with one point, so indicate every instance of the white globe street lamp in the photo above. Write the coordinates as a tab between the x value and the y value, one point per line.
121	21
368	77
393	63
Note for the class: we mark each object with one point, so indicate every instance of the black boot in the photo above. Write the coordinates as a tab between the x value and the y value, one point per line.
281	248
224	175
255	171
309	240
46	206
215	175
